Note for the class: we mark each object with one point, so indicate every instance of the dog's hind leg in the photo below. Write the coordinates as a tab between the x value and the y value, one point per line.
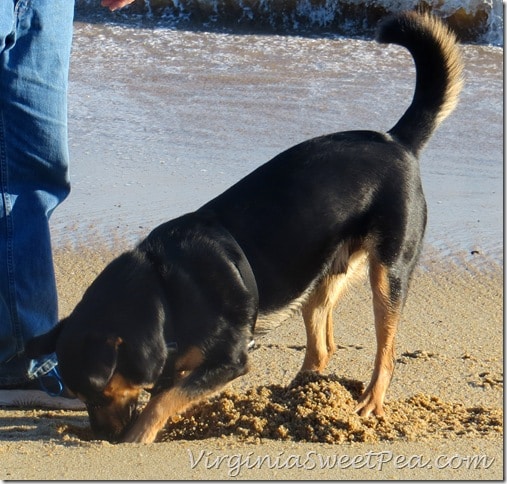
318	315
388	296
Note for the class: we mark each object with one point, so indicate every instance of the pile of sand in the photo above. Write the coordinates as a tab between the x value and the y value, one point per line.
317	408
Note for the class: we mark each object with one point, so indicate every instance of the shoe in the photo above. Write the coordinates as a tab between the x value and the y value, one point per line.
45	390
25	398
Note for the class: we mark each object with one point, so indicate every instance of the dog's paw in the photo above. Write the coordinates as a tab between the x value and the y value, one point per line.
369	405
140	436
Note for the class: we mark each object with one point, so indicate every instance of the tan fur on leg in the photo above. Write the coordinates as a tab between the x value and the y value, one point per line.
167	404
318	315
156	413
386	322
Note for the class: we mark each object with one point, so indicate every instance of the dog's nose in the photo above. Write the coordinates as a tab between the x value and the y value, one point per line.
107	435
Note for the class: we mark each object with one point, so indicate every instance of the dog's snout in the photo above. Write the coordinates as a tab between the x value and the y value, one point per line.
110	422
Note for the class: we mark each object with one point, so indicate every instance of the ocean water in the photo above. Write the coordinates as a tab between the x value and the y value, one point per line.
163	118
473	20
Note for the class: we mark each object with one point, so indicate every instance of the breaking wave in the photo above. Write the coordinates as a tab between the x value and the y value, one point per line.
479	21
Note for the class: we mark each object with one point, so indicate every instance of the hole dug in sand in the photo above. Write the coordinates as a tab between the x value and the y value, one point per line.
316	408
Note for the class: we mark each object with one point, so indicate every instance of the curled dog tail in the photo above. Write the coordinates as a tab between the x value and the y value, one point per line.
438	74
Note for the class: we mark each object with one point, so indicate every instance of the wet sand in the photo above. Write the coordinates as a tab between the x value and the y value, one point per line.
449	350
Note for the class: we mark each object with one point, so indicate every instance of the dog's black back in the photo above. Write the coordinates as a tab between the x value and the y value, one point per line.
317	199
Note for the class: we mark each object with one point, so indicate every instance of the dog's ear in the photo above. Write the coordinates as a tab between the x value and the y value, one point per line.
44	344
102	359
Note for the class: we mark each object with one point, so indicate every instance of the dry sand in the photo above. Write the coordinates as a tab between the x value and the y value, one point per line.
443	413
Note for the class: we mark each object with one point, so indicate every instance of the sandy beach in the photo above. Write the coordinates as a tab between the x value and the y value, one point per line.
449	348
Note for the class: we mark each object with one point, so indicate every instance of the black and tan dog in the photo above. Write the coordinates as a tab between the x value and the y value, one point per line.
176	314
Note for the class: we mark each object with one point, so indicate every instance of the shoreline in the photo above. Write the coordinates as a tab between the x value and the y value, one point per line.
473	22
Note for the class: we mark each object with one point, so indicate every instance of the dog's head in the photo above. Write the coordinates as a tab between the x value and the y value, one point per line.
112	345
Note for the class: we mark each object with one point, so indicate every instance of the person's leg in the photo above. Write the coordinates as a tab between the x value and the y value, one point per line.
35	42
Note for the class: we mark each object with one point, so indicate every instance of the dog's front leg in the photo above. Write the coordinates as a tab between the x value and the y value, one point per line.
197	381
156	413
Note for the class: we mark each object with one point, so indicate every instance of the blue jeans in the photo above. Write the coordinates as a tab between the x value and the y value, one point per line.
35	43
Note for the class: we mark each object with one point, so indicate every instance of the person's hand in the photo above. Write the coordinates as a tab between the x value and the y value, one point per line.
115	4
